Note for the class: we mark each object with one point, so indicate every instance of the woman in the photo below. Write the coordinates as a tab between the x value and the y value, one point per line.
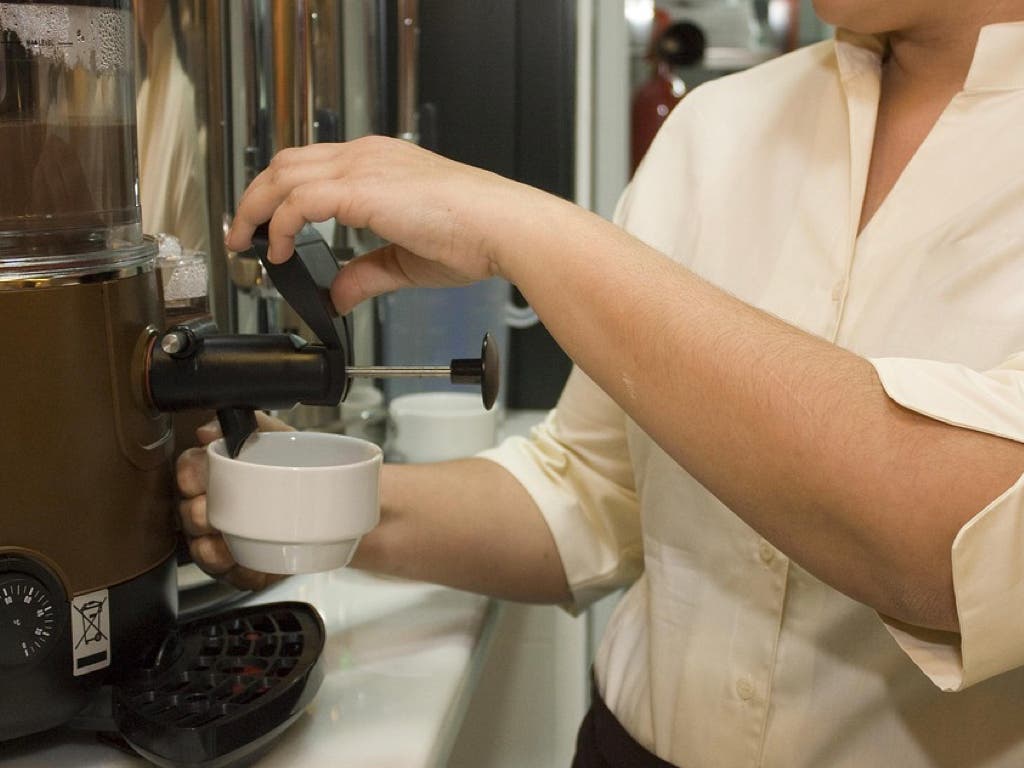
778	412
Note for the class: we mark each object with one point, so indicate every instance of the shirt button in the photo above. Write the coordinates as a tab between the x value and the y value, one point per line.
745	689
838	290
766	552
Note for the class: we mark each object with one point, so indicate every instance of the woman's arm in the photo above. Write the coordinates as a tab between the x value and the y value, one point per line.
795	435
467	524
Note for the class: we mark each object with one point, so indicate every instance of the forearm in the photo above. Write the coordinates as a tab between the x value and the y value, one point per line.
794	434
466	524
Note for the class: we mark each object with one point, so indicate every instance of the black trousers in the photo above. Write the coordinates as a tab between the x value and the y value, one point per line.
603	742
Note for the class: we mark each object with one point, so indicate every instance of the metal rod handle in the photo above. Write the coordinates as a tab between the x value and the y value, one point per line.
484	370
398	371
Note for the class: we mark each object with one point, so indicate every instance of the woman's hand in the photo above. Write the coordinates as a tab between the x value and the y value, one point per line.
444	220
205	544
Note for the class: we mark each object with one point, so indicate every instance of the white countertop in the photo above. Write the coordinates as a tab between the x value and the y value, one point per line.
400	662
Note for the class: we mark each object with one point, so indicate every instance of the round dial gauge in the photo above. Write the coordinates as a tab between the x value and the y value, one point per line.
28	619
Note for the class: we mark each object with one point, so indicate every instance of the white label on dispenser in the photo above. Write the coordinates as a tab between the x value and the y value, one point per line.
90	632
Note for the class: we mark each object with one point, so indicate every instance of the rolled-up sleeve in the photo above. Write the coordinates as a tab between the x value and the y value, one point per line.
988	552
576	467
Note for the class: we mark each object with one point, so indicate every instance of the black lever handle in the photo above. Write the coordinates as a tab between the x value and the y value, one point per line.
304	281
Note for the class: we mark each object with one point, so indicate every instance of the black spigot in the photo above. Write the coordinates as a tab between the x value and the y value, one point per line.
304	282
191	366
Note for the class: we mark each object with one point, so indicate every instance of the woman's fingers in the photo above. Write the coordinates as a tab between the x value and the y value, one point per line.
252	581
194	520
442	216
209	432
211	554
371	274
262	198
363	183
267	423
386	269
289	169
316	200
192	472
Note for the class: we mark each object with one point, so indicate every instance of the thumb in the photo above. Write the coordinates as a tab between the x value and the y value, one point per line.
209	432
371	274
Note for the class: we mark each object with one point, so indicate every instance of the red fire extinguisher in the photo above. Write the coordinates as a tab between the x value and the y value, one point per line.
679	44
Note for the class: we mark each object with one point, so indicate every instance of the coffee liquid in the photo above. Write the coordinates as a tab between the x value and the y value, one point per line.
67	143
71	187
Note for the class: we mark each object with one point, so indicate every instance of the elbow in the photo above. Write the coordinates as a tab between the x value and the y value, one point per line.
925	602
917	564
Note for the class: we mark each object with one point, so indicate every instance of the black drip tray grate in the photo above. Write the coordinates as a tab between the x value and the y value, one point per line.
237	680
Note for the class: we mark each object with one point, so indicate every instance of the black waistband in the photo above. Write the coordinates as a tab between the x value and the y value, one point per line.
603	742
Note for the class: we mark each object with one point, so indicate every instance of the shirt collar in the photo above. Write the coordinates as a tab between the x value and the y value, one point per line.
858	54
998	58
998	62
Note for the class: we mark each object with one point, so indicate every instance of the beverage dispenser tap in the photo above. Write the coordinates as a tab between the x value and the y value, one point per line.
191	366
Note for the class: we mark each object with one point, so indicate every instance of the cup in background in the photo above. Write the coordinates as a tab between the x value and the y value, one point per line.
294	502
439	426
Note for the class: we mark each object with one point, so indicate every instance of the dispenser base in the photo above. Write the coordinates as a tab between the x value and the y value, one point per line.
221	691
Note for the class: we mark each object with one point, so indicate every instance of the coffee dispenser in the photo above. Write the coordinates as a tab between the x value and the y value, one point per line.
89	633
86	481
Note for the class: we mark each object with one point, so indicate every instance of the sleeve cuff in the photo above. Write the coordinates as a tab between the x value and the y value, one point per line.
988	552
594	523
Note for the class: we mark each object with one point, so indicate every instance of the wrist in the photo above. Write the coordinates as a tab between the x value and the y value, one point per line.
520	235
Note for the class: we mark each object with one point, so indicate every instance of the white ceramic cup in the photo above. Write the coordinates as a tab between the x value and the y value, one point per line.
438	426
294	502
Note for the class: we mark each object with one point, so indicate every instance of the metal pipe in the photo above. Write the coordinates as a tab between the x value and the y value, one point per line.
293	74
408	70
218	165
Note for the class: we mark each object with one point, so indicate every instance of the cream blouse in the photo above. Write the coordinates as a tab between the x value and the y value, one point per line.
724	652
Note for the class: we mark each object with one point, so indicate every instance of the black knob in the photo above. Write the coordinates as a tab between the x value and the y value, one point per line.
485	371
28	619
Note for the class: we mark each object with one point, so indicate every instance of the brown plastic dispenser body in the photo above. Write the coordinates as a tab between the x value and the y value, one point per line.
87	572
87	478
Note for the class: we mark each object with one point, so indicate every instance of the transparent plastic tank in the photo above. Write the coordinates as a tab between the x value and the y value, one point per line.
69	202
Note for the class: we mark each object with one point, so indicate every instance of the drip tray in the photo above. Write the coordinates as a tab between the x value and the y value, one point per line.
225	688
